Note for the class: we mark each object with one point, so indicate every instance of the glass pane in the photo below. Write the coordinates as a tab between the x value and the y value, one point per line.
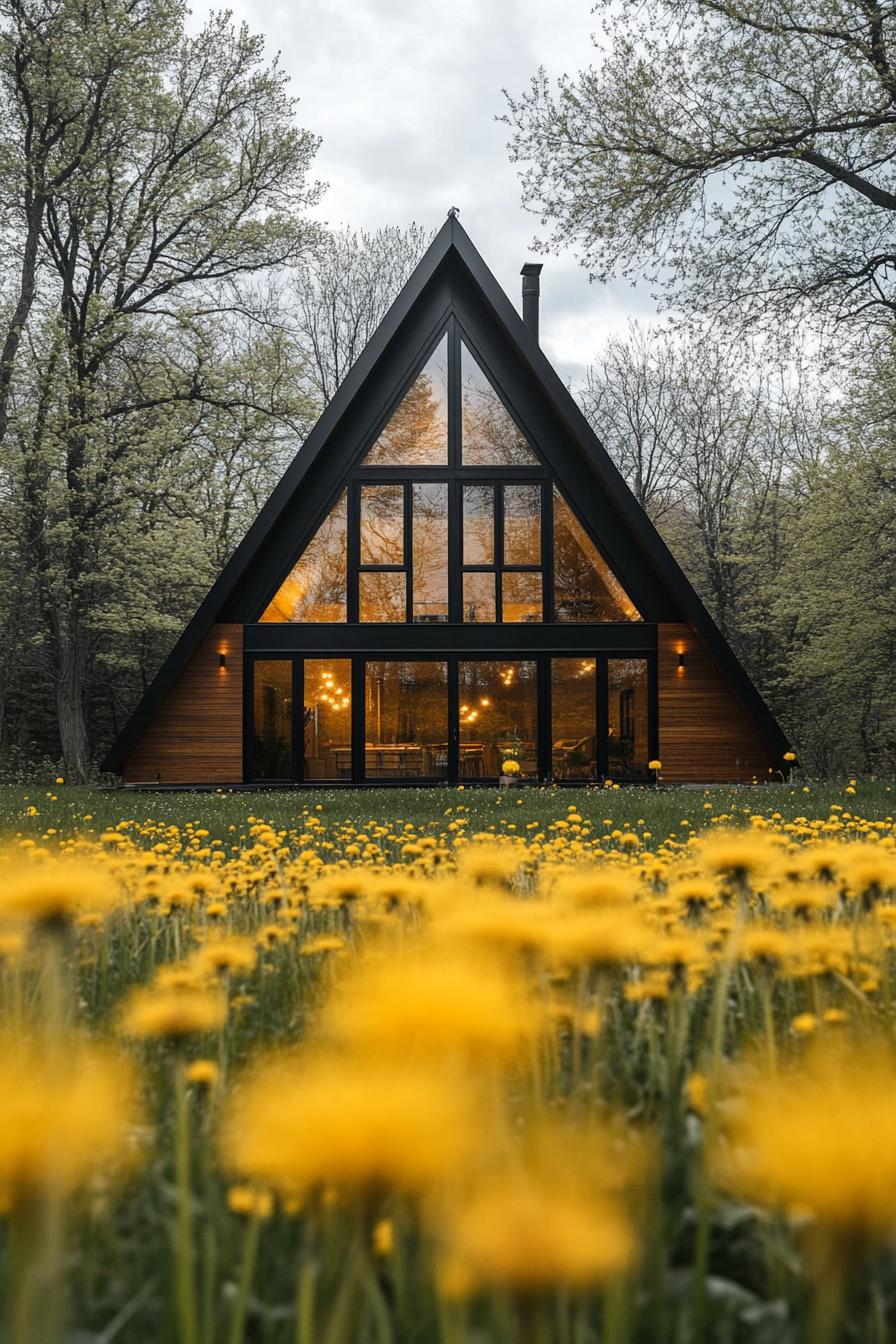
316	586
573	718
406	708
498	710
417	434
585	588
430	546
522	524
382	595
479	597
328	718
272	719
382	524
627	726
479	524
521	597
491	437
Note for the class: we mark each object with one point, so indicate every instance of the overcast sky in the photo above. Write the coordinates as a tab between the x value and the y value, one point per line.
405	95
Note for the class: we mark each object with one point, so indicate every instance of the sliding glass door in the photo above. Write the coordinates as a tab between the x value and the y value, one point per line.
360	719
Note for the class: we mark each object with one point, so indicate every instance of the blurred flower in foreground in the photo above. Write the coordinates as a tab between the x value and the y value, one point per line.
68	1114
299	1122
172	1012
817	1140
431	1002
54	891
554	1212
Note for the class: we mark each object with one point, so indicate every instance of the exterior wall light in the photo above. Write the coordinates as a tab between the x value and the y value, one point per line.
681	662
222	659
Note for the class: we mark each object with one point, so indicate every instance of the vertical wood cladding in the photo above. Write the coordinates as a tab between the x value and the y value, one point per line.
705	734
197	735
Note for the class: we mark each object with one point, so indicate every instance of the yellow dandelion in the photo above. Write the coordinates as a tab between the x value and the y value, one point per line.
203	1073
298	1123
67	1114
233	955
247	1201
52	891
433	1002
817	1140
173	1013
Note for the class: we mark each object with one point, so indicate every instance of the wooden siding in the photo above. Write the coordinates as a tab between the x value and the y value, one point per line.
197	735
705	734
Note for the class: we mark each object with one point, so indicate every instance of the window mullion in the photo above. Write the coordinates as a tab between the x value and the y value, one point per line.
499	551
408	551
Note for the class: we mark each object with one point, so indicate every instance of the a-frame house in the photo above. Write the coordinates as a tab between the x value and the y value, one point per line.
451	573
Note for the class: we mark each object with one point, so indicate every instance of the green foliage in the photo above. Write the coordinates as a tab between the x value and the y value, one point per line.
742	156
837	590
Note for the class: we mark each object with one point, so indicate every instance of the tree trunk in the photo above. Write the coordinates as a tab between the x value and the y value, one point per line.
22	309
70	684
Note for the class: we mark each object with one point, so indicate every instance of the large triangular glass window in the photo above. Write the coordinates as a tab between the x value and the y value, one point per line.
417	433
315	588
585	588
490	435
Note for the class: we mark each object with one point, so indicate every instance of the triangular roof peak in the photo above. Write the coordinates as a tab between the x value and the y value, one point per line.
452	258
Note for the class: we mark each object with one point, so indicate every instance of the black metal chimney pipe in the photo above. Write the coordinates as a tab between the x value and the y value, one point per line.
531	290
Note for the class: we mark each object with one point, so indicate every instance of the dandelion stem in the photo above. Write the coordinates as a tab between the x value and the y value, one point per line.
247	1272
186	1286
305	1301
376	1299
768	1017
823	1325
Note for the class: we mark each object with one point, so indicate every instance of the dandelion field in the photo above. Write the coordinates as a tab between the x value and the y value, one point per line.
448	1066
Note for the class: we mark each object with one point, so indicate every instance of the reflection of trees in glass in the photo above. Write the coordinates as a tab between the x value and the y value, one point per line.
315	589
272	719
491	436
417	434
382	525
522	524
585	588
479	596
627	727
479	525
430	547
521	597
382	595
574	717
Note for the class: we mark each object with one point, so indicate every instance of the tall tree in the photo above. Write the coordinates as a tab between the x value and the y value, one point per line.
741	155
712	440
343	293
198	183
69	72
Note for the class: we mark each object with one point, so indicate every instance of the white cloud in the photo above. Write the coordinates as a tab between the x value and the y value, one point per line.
405	95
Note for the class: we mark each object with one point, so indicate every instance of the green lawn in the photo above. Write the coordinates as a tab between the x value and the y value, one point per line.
64	810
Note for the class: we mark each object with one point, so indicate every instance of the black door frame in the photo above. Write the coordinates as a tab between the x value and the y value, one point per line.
360	657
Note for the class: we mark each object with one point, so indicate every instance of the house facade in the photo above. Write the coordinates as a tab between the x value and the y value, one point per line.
450	574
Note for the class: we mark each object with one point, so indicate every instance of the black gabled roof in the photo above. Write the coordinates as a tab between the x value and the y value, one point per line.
452	245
